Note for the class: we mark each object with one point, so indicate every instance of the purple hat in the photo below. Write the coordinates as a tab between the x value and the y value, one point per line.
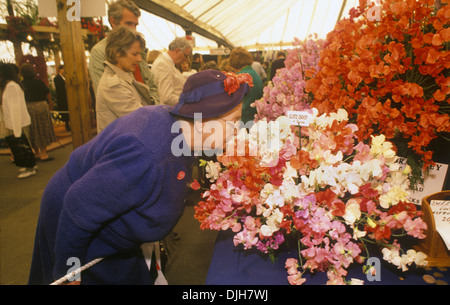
212	93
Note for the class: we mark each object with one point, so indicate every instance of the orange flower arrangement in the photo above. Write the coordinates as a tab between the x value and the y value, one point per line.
390	74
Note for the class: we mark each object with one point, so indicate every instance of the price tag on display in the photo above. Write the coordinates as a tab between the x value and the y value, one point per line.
299	118
441	212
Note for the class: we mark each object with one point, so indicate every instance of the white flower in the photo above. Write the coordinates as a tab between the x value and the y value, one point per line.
354	281
381	147
290	172
289	190
393	195
272	223
212	170
402	262
352	211
357	233
275	199
267	190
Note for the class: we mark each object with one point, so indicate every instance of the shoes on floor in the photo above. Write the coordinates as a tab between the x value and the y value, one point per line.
47	159
23	169
27	173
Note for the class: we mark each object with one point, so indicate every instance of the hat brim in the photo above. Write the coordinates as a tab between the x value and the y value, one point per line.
212	106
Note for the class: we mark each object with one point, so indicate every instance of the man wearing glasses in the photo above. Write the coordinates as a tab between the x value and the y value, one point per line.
168	78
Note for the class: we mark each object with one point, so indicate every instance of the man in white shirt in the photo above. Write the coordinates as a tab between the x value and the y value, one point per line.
168	78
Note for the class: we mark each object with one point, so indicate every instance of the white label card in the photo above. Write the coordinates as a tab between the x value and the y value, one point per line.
441	212
299	118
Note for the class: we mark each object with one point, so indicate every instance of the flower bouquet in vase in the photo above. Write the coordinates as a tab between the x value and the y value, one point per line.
316	186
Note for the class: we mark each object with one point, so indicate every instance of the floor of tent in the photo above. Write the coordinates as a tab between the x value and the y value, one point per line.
19	209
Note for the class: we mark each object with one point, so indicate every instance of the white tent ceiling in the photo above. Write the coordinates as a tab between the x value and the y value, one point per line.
255	24
248	23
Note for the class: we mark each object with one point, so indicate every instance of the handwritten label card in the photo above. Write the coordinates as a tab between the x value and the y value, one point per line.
433	181
299	118
441	212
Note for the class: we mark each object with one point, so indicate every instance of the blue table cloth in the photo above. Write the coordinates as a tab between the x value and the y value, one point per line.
232	265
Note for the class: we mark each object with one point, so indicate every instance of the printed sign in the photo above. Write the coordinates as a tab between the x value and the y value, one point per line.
441	212
299	118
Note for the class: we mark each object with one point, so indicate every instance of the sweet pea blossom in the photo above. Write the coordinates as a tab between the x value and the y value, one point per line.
352	211
212	170
320	187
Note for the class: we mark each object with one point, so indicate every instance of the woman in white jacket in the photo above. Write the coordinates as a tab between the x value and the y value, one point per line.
118	92
15	118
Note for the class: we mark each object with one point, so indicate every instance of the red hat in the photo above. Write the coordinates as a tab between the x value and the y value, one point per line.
212	93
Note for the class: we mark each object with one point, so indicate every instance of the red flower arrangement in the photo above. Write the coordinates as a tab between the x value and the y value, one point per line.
390	74
19	28
94	25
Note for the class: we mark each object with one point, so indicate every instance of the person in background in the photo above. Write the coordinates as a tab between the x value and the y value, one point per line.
277	64
151	57
241	61
61	96
127	186
197	62
15	118
37	96
225	65
117	92
168	78
185	68
210	65
256	65
126	13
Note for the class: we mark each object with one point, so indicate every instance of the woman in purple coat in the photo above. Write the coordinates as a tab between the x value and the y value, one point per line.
127	186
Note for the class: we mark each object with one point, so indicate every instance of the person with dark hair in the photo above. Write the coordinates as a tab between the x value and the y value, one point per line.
197	62
16	120
128	185
278	63
61	96
37	96
118	93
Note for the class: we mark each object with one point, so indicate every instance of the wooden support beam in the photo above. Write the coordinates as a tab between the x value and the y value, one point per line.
75	67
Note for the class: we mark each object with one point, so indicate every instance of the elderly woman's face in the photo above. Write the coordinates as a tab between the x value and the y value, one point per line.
129	62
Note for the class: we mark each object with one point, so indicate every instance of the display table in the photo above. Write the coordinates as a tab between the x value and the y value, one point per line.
232	265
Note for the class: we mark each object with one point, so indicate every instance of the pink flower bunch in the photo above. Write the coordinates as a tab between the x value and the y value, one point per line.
286	91
318	186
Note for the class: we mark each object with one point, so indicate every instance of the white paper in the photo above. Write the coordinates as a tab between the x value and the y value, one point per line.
433	181
441	212
299	118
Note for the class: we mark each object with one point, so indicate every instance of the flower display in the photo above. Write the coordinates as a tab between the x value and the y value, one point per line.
286	91
390	72
318	186
19	28
95	26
